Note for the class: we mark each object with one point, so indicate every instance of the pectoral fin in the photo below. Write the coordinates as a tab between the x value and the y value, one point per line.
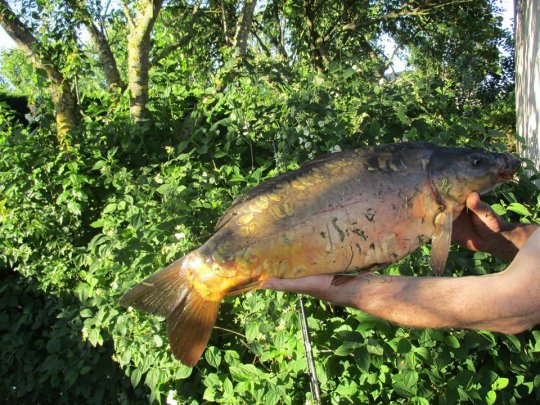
440	242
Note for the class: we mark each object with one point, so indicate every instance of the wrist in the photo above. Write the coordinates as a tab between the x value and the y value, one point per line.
516	235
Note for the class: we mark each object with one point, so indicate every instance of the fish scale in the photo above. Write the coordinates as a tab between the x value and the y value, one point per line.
353	210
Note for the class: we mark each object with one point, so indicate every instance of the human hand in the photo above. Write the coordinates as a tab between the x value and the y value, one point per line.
317	286
320	286
479	228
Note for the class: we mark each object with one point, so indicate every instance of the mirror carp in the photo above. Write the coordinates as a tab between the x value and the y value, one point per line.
354	210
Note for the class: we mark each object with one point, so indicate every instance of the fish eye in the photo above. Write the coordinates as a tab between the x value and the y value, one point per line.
477	161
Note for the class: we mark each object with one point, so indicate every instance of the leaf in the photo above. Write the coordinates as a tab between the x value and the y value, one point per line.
152	378
375	348
97	224
183	372
135	377
252	331
213	356
491	397
452	341
165	189
84	370
363	359
405	383
99	164
499	209
404	346
513	343
86	313
228	388
94	336
111	207
519	209
500	383
245	372
158	341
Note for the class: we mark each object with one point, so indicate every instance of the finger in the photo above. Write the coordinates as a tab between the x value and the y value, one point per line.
306	285
479	207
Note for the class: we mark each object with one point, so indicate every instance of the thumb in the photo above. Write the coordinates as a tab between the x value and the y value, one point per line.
483	211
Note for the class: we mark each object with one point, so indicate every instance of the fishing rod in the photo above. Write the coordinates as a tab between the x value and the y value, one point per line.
312	372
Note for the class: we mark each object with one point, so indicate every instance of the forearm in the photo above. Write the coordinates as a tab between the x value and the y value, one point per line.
465	302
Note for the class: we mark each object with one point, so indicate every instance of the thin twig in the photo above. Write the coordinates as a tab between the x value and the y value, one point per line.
312	371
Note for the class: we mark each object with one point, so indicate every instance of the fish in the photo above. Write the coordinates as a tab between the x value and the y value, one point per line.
356	210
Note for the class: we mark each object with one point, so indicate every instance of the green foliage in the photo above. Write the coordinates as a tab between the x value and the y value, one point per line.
79	229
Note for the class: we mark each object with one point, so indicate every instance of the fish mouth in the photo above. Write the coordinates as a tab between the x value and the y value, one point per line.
510	167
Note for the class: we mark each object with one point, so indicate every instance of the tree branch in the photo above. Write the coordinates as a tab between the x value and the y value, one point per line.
106	56
402	12
243	27
261	43
228	41
185	39
129	17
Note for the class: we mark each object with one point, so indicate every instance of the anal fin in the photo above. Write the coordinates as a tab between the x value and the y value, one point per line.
249	284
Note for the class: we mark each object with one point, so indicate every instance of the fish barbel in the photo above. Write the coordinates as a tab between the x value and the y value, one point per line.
354	210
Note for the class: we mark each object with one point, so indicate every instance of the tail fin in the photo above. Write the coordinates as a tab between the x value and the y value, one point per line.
190	317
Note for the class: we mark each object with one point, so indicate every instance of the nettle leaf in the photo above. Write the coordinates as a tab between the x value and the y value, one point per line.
213	356
405	383
183	372
245	372
252	331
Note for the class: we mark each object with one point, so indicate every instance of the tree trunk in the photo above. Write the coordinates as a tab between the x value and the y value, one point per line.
317	47
528	79
63	98
139	56
243	27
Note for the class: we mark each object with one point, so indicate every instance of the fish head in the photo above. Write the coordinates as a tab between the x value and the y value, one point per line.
457	172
